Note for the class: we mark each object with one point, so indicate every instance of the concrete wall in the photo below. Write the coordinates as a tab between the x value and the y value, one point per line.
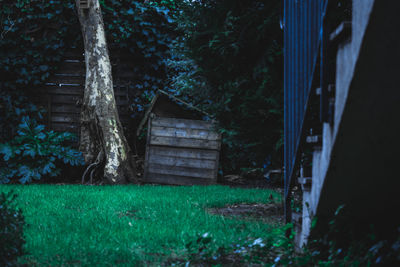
357	165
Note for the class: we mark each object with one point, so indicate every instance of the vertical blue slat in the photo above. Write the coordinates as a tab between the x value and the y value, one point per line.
302	36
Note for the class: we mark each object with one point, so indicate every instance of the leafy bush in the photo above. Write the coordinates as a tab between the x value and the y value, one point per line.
11	230
33	153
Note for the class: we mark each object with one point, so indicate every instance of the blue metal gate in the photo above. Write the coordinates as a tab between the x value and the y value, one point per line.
303	31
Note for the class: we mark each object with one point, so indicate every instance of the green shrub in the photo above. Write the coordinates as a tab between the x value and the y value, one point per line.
11	230
33	153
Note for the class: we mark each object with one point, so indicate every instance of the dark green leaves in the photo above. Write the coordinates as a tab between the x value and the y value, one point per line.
32	38
33	153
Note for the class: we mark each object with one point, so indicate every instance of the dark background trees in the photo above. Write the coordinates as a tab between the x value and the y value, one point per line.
236	73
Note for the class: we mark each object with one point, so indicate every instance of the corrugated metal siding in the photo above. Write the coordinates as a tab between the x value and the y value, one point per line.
303	21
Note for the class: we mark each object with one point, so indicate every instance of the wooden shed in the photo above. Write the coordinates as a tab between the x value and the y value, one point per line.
181	148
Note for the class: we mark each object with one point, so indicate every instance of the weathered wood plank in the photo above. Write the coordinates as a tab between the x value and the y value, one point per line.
76	90
147	152
182	162
182	123
184	152
181	171
74	53
62	79
65	99
176	180
184	142
64	90
65	109
65	127
185	133
77	69
75	99
65	118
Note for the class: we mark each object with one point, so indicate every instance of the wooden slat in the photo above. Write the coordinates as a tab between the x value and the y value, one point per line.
65	99
64	118
176	180
64	90
77	90
74	53
73	99
182	123
65	127
76	69
184	133
147	152
57	79
181	171
183	162
184	142
65	109
184	152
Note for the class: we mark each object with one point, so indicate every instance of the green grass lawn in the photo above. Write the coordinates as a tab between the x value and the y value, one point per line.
129	225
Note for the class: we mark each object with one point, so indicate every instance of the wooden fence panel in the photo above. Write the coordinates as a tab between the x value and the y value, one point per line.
63	93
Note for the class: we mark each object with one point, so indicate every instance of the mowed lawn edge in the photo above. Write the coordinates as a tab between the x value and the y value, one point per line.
125	225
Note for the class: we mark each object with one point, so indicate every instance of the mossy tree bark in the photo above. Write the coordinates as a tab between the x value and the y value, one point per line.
102	138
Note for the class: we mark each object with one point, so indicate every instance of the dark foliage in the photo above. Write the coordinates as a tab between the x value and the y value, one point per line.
11	230
142	32
235	73
32	40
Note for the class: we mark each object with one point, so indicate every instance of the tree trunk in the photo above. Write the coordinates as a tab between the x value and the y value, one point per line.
102	137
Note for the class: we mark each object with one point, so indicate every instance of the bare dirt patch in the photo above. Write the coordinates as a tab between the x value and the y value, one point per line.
271	212
128	213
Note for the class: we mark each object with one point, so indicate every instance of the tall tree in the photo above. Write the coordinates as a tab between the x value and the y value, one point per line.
102	139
